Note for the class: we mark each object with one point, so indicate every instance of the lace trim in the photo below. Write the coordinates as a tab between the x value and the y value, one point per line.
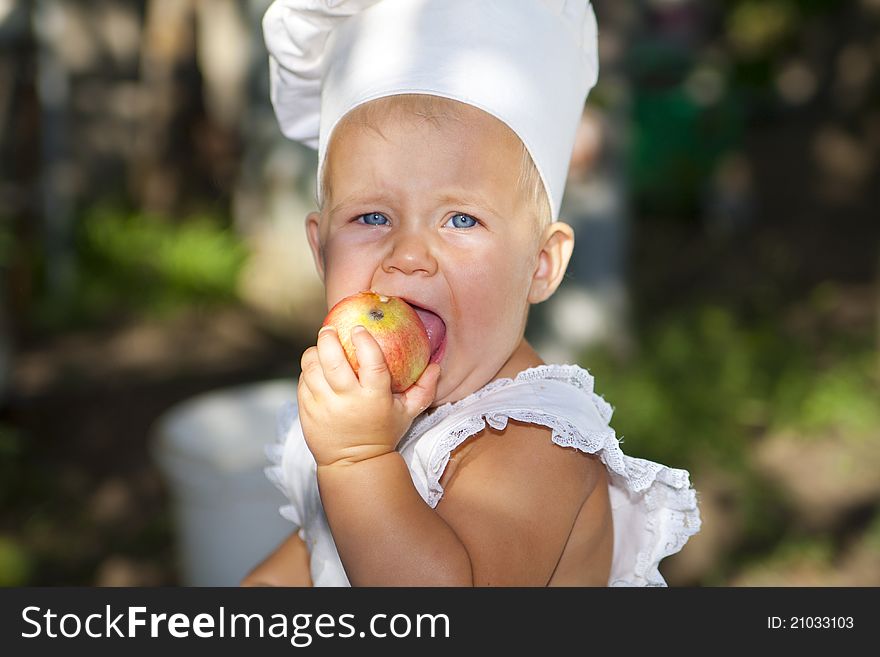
287	415
563	432
674	518
673	512
572	374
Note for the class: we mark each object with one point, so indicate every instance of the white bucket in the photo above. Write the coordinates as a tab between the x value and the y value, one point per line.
211	450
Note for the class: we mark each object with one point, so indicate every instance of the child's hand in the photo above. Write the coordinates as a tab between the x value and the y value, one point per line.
348	417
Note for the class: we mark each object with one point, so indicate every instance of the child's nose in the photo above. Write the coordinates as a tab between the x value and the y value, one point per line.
410	254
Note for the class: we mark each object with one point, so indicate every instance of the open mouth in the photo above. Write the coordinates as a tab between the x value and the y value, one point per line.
436	329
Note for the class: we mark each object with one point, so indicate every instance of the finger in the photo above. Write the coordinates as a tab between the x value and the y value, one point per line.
313	374
337	370
309	360
372	368
420	394
303	394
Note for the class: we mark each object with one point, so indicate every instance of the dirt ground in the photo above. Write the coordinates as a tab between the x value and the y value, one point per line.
87	500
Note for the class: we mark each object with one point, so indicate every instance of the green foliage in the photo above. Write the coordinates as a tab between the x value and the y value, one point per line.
796	551
193	258
675	146
695	389
678	137
872	534
844	398
143	265
756	26
691	106
705	385
15	564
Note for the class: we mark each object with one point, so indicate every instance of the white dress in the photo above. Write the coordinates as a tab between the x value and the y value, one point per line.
653	506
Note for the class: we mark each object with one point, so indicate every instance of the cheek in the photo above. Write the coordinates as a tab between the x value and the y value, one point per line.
348	268
490	287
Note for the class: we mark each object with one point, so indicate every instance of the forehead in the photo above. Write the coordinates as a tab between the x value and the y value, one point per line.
424	134
418	109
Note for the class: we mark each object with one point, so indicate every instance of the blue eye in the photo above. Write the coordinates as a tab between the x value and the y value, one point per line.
466	217
371	216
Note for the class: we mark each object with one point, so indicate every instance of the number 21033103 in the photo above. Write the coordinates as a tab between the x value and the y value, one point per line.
810	623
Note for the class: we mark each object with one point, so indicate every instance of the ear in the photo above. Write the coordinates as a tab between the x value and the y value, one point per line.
313	232
556	248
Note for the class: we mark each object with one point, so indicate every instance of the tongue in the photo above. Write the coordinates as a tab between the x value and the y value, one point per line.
434	326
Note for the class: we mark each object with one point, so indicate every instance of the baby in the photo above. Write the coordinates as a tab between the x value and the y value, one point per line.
494	468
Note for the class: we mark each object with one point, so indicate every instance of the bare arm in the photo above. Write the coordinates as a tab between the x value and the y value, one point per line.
516	499
384	531
288	565
513	501
503	520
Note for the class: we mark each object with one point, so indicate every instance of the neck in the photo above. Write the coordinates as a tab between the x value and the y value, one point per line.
522	358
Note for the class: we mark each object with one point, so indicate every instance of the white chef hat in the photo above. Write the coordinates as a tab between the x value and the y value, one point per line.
529	63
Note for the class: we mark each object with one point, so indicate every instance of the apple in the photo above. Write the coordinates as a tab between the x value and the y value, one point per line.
394	324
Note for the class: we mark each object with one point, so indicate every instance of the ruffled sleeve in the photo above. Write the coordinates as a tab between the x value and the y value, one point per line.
294	471
654	508
292	464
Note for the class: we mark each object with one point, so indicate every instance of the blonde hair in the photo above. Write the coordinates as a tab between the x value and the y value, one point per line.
434	109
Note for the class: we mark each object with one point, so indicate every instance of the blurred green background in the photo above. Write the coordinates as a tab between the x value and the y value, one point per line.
724	290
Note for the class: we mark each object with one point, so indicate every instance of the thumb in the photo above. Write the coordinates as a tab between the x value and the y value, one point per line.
420	394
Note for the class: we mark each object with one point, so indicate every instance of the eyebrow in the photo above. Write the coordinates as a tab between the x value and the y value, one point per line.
363	197
470	198
467	197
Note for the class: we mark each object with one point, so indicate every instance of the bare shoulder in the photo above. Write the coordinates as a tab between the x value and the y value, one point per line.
512	496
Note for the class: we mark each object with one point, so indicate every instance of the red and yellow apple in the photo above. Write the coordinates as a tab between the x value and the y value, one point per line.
394	324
